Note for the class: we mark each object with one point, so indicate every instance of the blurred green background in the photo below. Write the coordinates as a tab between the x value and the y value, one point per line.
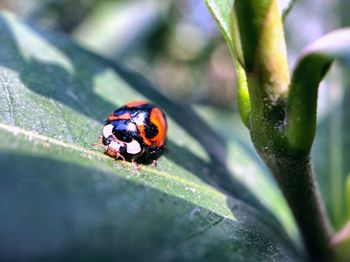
176	44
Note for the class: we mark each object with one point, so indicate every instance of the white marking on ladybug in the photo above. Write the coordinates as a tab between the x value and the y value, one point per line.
131	126
115	146
133	147
139	119
107	130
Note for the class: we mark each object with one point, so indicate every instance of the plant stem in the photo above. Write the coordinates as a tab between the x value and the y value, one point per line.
285	150
294	175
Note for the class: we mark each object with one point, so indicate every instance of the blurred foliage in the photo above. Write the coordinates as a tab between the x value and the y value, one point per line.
175	43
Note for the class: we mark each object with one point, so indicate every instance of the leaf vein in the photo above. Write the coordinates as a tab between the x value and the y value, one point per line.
16	130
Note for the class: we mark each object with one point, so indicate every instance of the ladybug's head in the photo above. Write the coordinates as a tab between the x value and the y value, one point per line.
115	148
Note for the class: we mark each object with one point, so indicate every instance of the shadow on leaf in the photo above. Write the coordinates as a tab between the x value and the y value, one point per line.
76	91
88	214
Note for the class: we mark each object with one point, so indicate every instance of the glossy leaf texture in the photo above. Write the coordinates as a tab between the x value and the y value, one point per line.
62	198
221	11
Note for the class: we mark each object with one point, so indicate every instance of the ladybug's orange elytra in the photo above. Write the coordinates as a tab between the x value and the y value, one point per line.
137	129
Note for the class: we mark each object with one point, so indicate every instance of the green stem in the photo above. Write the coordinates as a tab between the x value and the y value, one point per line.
285	151
294	175
265	62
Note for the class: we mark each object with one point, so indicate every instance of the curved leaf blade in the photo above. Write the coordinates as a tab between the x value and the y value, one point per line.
221	11
309	71
65	199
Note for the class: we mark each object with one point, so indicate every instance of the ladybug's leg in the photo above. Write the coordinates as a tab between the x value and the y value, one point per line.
97	145
154	163
99	142
152	154
135	164
118	155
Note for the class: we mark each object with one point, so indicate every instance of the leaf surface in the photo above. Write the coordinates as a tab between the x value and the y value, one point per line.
63	198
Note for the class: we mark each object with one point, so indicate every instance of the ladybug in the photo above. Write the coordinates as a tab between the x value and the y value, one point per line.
136	130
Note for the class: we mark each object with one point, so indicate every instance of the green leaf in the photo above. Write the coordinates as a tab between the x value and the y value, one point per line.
331	147
309	71
222	13
347	196
289	4
62	198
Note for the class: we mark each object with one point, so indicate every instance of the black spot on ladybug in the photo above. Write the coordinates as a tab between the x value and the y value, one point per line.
154	150
107	141
121	111
122	149
124	130
151	130
132	122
